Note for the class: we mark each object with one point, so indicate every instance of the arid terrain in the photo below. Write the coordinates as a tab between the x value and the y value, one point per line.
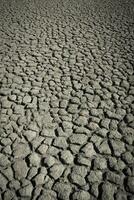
66	100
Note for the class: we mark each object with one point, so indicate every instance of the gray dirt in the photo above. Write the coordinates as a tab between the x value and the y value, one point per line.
66	100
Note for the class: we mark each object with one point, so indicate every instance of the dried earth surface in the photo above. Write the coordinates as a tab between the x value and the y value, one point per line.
66	100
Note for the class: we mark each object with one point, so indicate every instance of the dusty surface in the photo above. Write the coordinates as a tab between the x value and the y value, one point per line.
67	100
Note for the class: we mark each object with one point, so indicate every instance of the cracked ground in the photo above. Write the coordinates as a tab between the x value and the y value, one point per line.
66	100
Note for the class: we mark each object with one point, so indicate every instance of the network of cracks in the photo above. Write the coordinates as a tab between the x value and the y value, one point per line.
66	100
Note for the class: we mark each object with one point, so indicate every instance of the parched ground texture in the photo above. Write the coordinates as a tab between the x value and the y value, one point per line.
66	100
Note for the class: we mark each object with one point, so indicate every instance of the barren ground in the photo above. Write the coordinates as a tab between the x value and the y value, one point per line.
66	100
